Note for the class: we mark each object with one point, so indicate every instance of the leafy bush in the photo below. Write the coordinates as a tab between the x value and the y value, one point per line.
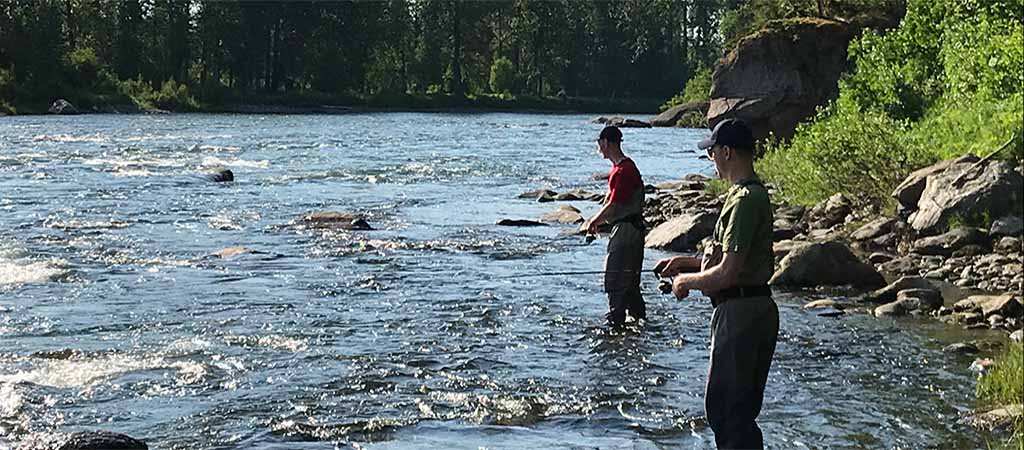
171	96
6	85
697	89
502	75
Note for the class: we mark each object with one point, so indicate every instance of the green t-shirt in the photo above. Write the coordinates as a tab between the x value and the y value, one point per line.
745	226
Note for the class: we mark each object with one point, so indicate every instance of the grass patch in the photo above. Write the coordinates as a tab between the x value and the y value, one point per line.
1004	385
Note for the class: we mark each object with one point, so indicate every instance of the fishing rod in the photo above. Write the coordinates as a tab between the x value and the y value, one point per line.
577	272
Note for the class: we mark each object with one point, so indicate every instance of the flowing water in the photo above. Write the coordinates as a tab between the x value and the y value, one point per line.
412	335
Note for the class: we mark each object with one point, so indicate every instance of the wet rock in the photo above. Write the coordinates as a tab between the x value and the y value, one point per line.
682	233
622	122
230	252
819	304
873	229
947	243
671	116
891	292
336	220
520	223
565	214
1005	305
830	212
1008	245
924	300
81	440
1017	336
904	265
970	250
579	195
825	264
220	176
892	309
993	189
961	348
999	417
908	193
538	194
881	257
61	106
1007	226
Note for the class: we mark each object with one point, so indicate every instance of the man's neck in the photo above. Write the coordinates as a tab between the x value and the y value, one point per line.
740	173
616	159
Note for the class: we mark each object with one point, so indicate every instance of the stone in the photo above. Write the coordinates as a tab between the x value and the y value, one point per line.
1007	226
682	233
992	189
230	252
830	212
622	122
947	243
782	248
778	76
579	195
995	320
81	440
1008	245
887	240
926	300
881	257
999	417
1006	305
220	176
520	223
783	232
873	229
890	293
825	264
1017	336
970	250
893	309
565	214
904	265
671	116
909	191
790	213
819	304
61	106
538	194
337	220
961	348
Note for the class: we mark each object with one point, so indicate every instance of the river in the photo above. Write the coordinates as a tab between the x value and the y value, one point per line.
412	335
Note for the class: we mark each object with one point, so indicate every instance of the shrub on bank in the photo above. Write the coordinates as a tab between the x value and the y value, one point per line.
948	81
697	89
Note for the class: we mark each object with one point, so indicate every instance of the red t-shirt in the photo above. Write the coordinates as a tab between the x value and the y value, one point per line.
623	181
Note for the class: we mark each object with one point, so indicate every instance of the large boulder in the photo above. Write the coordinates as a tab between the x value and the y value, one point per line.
81	440
682	233
992	189
671	116
778	76
947	243
909	191
61	106
825	264
1007	305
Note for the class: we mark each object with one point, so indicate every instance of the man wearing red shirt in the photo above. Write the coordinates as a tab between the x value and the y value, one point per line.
622	210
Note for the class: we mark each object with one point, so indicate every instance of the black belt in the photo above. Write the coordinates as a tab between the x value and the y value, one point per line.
741	292
637	220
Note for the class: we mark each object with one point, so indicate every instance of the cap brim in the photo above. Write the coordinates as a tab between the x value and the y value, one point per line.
705	144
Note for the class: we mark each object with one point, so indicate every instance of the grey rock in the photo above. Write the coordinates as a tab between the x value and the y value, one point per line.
579	195
970	250
892	309
565	214
1008	245
825	264
538	194
1017	336
947	243
908	193
830	212
520	223
881	257
1007	305
1007	226
904	265
61	106
961	348
873	229
220	176
889	293
993	189
336	220
81	440
671	116
887	240
925	300
682	233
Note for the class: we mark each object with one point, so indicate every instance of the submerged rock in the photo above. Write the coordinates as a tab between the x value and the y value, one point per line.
565	214
520	223
81	440
962	348
229	252
220	176
825	264
538	194
337	220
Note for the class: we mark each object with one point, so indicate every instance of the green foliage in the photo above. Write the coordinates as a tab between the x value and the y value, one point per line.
693	119
502	75
982	220
171	96
716	187
698	88
6	85
947	82
1003	384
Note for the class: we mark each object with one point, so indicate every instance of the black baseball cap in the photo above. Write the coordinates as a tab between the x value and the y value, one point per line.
611	133
731	132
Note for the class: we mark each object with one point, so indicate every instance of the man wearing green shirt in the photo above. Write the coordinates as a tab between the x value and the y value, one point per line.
734	273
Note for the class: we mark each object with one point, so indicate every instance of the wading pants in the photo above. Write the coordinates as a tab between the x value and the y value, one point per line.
743	335
622	274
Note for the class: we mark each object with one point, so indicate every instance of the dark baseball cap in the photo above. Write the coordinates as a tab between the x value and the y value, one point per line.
731	132
611	133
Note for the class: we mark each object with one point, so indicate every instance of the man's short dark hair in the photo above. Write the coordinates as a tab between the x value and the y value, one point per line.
612	134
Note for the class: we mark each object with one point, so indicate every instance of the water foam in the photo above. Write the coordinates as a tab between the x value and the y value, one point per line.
78	373
213	161
18	273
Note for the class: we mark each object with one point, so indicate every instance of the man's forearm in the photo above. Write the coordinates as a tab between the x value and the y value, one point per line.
606	211
713	279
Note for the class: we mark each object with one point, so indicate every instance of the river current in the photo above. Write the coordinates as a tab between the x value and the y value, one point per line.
415	334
